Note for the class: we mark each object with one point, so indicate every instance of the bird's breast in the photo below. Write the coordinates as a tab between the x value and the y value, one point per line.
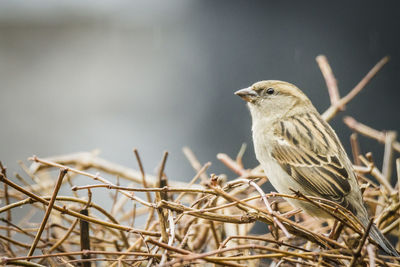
264	141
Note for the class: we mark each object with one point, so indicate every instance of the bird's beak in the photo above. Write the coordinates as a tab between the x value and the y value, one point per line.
247	94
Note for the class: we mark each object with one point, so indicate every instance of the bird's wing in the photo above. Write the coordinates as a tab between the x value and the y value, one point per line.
309	151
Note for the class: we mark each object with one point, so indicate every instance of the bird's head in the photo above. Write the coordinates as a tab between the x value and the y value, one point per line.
273	97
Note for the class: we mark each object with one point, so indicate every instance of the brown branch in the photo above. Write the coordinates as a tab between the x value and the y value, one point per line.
185	252
355	148
135	189
374	171
213	208
7	200
95	177
5	260
368	131
76	214
260	238
357	253
398	176
19	229
70	199
240	154
233	165
239	219
371	255
24	263
198	174
214	233
294	228
48	210
191	257
330	80
194	162
387	166
271	212
60	241
15	242
88	160
85	238
334	109
143	174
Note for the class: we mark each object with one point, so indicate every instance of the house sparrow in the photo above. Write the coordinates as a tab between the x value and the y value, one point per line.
299	151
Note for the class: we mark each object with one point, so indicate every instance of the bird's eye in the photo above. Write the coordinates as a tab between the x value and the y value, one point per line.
270	91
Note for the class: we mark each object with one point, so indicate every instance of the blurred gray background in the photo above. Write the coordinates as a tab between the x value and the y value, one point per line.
160	75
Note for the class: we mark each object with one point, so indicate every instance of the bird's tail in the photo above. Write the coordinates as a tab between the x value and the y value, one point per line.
382	241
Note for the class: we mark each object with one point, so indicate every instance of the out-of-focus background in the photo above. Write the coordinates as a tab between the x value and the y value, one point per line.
160	75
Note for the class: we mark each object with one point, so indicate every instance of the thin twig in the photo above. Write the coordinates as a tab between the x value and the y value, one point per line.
60	241
194	162
7	201
240	154
95	177
357	253
329	79
374	171
388	155
5	260
85	238
48	210
371	255
162	197
76	214
262	194
233	165
368	131
135	189
171	236
398	176
355	148
198	174
334	109
142	172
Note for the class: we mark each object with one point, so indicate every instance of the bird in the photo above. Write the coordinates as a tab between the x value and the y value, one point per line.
299	151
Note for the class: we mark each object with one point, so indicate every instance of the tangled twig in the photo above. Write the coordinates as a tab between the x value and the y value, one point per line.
205	221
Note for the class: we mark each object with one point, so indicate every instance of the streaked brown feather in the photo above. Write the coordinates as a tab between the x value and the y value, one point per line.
308	150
